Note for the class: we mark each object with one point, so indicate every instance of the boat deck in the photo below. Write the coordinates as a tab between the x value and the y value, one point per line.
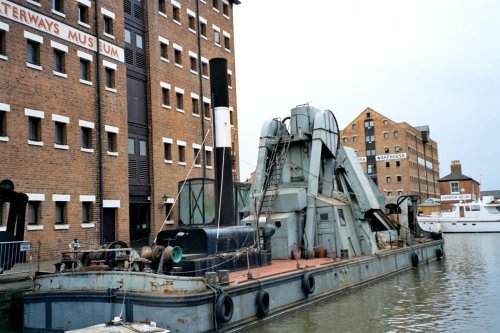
280	266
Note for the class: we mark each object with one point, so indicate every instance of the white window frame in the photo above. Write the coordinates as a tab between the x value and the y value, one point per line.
193	55
192	14
182	144
4	27
87	57
38	39
62	198
167	86
204	61
4	108
169	141
165	41
115	130
35	114
196	146
177	47
86	124
178	6
457	183
216	28
60	119
179	91
111	15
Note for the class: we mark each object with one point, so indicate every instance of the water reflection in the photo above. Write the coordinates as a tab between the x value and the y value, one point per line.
459	294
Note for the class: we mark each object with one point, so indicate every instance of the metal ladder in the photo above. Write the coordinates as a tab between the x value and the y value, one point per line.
273	174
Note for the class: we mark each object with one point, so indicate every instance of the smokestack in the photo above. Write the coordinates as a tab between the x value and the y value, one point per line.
222	128
456	167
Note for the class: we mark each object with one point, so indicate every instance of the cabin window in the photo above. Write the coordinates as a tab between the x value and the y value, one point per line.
476	208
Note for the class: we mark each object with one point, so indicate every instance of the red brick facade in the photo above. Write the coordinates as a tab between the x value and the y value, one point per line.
52	171
398	157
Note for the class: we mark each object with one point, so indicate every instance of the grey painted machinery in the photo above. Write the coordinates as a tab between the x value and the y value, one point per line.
314	192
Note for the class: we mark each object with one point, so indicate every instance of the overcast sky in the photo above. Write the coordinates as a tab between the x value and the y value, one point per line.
433	63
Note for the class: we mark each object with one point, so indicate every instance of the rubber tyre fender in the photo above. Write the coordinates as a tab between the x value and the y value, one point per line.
263	301
414	259
224	308
308	283
439	254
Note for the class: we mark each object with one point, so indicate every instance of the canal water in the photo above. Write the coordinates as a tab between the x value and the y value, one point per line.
458	294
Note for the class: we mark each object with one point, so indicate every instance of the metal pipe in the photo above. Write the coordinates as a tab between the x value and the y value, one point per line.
99	128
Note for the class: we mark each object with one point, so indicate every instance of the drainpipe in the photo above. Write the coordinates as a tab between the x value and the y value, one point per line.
202	111
99	128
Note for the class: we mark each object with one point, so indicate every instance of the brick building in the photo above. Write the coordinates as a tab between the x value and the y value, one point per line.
456	187
399	158
106	136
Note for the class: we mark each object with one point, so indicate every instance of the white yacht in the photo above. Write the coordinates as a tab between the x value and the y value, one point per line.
480	216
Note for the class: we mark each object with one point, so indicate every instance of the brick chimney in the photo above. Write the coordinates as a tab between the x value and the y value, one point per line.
456	167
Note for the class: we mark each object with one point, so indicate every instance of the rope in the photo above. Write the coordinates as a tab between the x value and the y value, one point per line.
183	183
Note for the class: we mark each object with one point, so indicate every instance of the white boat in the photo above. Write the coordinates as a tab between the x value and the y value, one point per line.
479	216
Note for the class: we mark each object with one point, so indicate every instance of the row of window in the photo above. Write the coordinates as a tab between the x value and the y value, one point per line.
35	133
59	56
83	14
219	39
197	107
166	53
369	123
389	193
168	144
216	6
370	138
60	202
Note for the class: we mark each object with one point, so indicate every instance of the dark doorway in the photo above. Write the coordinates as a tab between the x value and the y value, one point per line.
109	217
140	224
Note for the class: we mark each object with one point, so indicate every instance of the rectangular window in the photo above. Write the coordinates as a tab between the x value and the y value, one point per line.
193	64
176	13
33	212
86	212
60	133
112	145
371	168
167	151
370	138
386	135
225	8
203	29
179	98
162	6
400	193
354	139
195	106
388	180
227	43
398	164
178	57
35	132
86	137
204	69
208	158
3	42
59	61
389	193
83	13
58	5
108	25
217	37
182	154
110	78
397	149
387	164
196	156
165	96
33	52
60	217
396	134
164	51
84	69
206	109
3	123
215	4
386	150
454	187
399	179
192	23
